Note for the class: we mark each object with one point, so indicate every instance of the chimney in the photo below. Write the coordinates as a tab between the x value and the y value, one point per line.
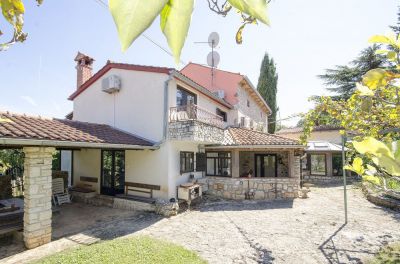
83	69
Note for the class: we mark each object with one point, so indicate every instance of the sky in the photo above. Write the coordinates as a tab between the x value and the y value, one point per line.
305	38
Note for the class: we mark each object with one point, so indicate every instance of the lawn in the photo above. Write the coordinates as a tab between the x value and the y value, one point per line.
388	255
134	250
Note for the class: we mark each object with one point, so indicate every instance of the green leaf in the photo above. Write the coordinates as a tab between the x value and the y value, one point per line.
372	146
375	78
381	39
239	34
132	17
365	91
175	21
389	164
254	8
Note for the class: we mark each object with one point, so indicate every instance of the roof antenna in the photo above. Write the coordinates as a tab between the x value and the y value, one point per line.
213	57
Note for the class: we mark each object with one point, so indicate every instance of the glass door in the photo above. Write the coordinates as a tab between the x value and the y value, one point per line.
265	165
112	172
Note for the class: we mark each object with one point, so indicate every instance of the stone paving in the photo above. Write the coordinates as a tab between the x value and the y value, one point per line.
299	231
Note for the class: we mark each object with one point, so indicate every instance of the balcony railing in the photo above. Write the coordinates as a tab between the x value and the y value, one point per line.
194	112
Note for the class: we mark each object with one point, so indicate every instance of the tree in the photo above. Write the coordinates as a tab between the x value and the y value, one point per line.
372	115
396	28
342	79
12	161
267	87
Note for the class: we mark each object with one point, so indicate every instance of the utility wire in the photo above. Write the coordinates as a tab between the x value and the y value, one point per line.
103	4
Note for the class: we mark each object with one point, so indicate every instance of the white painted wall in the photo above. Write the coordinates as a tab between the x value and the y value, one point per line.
253	113
138	108
87	163
332	136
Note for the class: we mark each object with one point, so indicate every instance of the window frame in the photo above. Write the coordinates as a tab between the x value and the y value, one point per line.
180	88
222	114
219	159
183	155
326	168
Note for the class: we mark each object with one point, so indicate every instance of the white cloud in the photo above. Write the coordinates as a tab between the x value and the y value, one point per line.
29	100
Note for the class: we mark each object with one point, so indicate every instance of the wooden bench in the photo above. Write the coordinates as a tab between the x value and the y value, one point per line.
141	188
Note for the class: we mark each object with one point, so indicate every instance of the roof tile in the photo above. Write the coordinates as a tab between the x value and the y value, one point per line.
28	127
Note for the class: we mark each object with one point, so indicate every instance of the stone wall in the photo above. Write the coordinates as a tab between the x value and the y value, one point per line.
37	195
327	179
193	130
132	205
259	188
5	187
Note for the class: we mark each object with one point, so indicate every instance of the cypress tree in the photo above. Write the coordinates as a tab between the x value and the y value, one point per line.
267	87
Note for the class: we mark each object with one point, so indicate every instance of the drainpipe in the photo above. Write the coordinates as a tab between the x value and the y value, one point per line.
165	118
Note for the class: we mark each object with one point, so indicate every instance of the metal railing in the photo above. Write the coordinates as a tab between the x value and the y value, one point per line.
194	112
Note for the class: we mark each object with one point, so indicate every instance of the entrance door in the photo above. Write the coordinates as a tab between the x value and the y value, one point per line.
265	165
112	172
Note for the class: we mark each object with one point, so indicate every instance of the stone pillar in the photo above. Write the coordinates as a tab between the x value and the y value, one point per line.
37	200
291	163
235	163
296	167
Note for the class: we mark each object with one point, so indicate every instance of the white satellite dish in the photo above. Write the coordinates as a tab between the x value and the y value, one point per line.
213	59
213	39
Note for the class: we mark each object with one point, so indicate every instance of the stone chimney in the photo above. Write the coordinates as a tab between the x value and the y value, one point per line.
83	69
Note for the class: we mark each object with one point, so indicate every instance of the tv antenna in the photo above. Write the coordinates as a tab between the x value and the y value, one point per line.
213	57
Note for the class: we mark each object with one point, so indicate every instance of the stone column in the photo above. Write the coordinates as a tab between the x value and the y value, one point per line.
37	195
296	167
291	163
235	164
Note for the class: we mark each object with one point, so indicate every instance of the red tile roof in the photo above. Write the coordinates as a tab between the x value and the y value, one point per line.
223	80
123	66
14	126
235	136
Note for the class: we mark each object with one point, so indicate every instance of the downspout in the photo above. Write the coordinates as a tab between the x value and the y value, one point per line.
165	114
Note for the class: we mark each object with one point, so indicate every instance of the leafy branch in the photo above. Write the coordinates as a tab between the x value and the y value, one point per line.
13	11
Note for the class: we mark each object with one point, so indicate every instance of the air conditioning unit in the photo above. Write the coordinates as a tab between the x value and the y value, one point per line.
111	84
220	94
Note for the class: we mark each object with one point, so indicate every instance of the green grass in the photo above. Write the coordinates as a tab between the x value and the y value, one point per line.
134	250
388	255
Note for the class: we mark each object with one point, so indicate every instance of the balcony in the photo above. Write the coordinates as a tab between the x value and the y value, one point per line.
193	123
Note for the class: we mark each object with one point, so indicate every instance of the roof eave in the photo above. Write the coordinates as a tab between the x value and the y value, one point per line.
69	144
258	94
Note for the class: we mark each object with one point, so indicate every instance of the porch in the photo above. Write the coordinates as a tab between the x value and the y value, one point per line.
253	165
38	138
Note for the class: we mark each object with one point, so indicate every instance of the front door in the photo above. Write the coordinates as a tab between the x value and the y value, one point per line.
265	165
112	172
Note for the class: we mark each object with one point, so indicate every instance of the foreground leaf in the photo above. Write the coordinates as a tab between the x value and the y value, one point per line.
375	78
254	8
372	146
175	21
132	17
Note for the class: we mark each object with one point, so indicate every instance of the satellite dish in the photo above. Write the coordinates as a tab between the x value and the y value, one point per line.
213	39
213	59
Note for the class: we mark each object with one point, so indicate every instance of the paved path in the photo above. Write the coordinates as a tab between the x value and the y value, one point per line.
302	231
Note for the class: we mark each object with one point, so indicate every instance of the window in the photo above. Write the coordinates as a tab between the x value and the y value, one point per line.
318	164
184	97
222	114
242	120
248	103
219	164
187	161
337	167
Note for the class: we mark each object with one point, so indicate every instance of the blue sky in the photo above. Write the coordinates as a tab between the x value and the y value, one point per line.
305	37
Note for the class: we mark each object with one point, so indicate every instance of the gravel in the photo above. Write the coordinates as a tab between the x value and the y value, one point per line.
301	231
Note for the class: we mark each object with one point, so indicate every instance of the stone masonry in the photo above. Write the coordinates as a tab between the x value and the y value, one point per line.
258	188
37	200
195	130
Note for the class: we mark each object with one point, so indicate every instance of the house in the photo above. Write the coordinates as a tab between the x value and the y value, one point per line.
154	128
323	161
